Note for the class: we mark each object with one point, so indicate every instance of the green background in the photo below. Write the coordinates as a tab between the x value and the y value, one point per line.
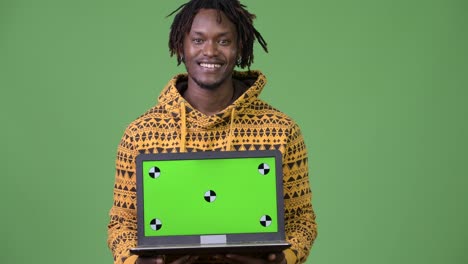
176	196
379	89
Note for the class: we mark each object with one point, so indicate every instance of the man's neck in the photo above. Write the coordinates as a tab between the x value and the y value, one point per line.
209	101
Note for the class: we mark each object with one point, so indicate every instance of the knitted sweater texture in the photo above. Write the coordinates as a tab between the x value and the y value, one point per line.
249	123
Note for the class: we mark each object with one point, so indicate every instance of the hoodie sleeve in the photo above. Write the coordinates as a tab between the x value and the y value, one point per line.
122	227
301	228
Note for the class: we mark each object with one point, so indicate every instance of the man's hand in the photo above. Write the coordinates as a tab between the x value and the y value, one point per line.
161	260
272	258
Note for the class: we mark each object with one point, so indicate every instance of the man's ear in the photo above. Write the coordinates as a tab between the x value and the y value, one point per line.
180	57
239	58
239	55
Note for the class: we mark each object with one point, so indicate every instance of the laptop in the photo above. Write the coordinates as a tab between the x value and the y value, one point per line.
210	203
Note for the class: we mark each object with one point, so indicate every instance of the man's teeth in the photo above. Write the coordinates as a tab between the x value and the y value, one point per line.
210	65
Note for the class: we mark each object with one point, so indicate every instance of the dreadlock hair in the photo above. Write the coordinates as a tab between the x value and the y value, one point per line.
234	11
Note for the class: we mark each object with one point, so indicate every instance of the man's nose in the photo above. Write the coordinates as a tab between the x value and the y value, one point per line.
210	48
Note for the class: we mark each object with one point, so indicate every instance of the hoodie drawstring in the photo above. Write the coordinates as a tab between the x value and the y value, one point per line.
183	132
231	130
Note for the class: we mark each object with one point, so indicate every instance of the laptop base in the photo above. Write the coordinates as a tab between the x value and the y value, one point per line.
209	249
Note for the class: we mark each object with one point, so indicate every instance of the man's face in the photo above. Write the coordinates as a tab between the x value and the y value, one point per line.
210	49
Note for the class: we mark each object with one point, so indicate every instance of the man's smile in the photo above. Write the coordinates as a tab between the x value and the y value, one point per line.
210	65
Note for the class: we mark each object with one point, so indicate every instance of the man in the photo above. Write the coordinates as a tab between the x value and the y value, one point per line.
214	108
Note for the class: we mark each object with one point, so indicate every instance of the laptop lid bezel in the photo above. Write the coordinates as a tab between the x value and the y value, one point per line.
198	239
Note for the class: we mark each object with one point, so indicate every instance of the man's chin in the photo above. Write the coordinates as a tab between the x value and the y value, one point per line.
208	85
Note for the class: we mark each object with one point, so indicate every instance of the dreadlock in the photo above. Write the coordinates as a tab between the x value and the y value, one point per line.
234	11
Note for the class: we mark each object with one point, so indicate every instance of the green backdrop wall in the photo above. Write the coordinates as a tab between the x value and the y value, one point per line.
379	89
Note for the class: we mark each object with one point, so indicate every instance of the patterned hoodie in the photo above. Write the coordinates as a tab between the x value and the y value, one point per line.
249	123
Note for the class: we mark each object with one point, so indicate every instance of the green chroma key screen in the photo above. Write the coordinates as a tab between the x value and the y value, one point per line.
210	196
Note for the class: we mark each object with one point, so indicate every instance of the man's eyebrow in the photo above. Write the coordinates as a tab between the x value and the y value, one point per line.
222	34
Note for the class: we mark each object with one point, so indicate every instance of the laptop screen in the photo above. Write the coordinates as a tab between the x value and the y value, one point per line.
209	193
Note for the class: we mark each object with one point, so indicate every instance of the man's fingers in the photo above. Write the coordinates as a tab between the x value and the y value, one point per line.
185	260
238	258
233	258
150	260
193	259
159	260
271	257
276	257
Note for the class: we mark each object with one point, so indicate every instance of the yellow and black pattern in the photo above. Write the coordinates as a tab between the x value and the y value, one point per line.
248	124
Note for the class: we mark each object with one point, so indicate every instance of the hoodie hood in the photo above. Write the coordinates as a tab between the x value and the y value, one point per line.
173	102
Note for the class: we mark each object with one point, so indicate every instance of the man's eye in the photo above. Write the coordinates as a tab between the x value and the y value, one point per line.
224	42
197	41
